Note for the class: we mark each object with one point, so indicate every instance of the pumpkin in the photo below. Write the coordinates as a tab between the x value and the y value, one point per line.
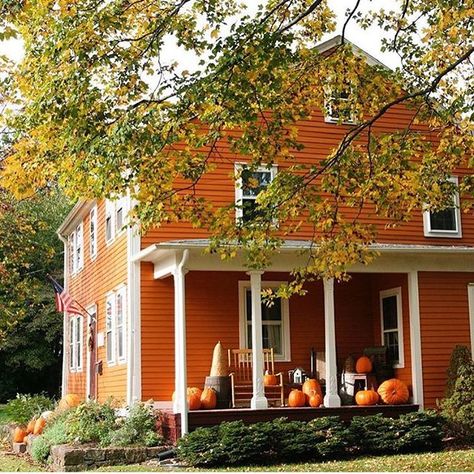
194	401
39	425
393	392
70	400
269	379
31	426
25	439
296	399
363	365
315	400
189	391
208	399
311	386
19	434
366	397
46	414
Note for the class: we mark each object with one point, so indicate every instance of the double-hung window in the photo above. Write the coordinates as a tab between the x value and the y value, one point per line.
392	325
109	220
444	223
76	249
275	322
248	186
115	326
338	104
93	232
76	343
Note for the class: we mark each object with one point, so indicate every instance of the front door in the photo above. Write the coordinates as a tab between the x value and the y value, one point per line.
92	354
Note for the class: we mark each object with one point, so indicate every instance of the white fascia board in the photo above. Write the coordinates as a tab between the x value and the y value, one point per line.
76	214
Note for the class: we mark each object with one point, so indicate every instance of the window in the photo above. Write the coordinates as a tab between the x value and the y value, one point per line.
76	346
76	249
392	325
93	232
275	322
109	220
109	328
120	309
444	223
338	106
248	187
119	215
115	326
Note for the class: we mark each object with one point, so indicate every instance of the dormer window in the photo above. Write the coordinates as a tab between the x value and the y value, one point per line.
446	222
248	186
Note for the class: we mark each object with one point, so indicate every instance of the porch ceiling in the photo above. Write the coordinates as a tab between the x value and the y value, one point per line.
393	258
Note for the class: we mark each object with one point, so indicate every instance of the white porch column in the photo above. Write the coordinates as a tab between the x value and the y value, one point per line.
415	338
258	399
180	403
331	399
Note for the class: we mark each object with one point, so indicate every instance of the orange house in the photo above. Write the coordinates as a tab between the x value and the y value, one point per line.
158	304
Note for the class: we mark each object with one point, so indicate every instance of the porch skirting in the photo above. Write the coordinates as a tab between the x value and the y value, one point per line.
169	423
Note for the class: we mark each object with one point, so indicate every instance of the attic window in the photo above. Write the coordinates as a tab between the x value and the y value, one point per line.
338	108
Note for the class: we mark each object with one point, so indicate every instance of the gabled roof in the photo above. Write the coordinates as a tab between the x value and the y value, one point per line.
337	40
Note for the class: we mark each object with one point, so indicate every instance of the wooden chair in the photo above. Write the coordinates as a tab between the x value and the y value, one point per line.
240	368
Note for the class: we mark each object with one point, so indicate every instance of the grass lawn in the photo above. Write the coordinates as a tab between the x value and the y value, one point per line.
446	461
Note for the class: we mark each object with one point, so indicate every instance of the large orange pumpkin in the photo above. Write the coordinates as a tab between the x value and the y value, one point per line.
70	400
310	387
208	399
194	401
394	392
270	379
363	365
19	434
296	399
366	397
31	426
39	425
315	400
189	391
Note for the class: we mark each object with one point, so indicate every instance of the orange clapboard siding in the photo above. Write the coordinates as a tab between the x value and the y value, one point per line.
319	138
444	318
90	286
212	314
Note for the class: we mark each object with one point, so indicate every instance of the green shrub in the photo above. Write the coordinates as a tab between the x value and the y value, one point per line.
459	357
330	437
138	428
201	447
24	407
55	432
459	408
420	431
91	422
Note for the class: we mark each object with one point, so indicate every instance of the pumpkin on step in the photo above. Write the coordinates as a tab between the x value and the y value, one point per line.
31	426
310	387
269	379
366	397
19	435
39	426
70	400
208	399
363	365
194	401
394	392
296	399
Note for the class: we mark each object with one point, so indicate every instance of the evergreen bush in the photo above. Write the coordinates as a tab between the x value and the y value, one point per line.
459	356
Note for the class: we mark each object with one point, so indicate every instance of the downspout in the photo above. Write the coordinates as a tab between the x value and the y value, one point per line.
180	341
65	324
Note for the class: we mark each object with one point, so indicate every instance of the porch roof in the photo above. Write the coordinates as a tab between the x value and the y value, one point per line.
292	253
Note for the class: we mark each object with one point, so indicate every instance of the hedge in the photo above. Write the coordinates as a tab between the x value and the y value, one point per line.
234	443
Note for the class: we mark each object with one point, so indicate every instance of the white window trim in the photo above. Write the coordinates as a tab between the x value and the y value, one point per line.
238	185
110	362
457	233
401	349
122	290
120	203
93	220
73	348
285	320
109	212
329	95
73	242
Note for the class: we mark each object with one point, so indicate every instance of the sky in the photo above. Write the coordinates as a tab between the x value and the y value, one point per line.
368	40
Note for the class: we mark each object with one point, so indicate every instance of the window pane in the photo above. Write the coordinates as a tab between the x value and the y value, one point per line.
272	338
390	314
272	313
443	220
250	209
108	228
255	181
120	342
119	219
391	342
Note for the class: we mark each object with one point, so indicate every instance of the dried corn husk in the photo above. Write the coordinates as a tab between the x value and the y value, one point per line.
219	362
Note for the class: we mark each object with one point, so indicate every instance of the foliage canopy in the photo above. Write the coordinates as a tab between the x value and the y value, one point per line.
96	105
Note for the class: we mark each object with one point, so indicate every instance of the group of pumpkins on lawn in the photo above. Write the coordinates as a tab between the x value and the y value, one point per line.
391	392
36	424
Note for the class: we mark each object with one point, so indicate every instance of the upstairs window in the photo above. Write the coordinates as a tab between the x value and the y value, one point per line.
338	107
76	249
444	223
115	213
109	220
93	232
249	185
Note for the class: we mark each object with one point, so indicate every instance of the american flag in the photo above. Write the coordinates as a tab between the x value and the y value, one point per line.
64	301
